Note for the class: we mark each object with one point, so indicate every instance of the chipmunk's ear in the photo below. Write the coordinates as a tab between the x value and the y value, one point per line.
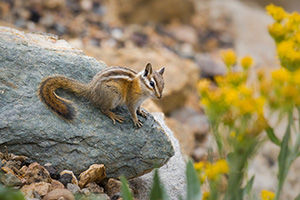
161	71
148	70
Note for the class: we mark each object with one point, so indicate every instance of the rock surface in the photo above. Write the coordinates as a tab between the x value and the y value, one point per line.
172	174
28	128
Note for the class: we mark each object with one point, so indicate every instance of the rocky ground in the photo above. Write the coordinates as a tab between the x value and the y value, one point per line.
187	41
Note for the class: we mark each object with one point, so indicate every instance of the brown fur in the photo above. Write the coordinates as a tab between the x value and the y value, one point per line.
111	87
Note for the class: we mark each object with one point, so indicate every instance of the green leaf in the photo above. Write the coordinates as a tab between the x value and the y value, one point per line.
272	136
7	193
126	194
283	160
247	189
193	184
158	191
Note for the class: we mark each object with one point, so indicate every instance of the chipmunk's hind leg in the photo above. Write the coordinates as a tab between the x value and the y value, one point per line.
113	116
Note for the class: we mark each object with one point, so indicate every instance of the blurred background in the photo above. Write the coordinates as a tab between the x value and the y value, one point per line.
185	36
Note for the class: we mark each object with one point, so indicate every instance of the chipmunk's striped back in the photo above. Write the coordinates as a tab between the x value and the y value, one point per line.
111	87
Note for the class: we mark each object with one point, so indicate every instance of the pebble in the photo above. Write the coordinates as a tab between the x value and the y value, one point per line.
94	188
73	180
65	179
73	188
10	180
59	194
42	188
112	187
53	172
37	173
95	173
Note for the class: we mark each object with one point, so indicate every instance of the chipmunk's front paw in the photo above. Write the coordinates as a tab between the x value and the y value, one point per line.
138	123
142	113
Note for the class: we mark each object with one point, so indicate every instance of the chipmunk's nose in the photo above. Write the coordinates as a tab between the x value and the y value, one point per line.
159	97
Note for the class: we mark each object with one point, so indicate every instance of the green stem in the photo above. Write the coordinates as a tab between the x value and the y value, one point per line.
285	158
218	141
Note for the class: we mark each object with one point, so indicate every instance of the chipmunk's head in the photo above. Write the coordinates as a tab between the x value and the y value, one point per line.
153	81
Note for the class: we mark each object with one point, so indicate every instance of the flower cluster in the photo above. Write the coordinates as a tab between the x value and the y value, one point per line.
282	90
211	171
267	195
286	33
231	99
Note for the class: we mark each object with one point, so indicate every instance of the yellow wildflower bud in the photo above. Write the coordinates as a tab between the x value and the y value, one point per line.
231	96
246	106
199	165
214	170
246	62
267	195
277	31
290	92
289	55
229	57
276	12
205	196
281	75
245	91
203	86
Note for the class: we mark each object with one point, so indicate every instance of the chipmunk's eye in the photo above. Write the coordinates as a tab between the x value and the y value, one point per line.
152	84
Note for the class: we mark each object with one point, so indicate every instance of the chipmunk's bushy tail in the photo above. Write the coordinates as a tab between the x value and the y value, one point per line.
62	107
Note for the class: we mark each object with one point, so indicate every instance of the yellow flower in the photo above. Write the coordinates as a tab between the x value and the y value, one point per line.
289	55
214	170
267	195
233	134
205	196
247	106
203	86
199	165
245	91
259	103
293	22
277	31
246	62
276	12
296	76
290	92
231	96
281	75
229	57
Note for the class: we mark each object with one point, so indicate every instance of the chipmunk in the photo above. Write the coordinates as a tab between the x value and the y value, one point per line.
111	87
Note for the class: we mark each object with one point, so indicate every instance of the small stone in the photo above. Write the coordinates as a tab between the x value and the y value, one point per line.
103	196
59	194
37	173
116	196
65	179
85	191
10	180
95	173
74	179
7	170
23	170
86	5
55	184
53	172
94	187
112	187
73	188
19	158
42	188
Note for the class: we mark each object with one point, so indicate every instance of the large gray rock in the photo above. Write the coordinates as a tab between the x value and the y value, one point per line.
172	174
28	128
